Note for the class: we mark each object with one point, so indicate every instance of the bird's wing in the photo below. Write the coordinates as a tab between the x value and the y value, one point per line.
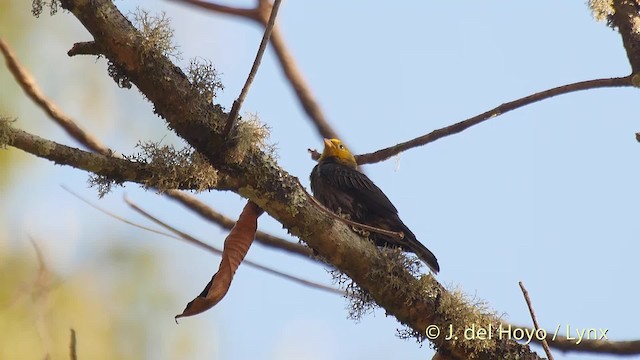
357	183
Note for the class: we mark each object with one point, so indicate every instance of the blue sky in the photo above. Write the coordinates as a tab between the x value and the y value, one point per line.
545	194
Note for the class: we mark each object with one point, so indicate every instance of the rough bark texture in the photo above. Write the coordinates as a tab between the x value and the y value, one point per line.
417	303
627	19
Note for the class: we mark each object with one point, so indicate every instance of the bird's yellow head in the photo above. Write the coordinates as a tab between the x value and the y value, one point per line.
334	148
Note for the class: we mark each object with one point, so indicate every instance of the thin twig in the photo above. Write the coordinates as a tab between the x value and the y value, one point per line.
386	153
115	216
285	58
25	80
41	285
73	354
43	282
252	13
599	346
303	92
192	240
315	154
536	327
39	292
237	104
215	217
42	264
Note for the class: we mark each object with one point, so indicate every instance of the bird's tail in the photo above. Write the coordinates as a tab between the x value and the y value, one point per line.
425	255
412	244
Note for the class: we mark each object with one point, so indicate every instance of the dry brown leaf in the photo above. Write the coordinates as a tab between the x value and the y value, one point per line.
236	246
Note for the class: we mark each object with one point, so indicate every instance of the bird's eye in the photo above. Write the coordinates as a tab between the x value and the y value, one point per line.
341	146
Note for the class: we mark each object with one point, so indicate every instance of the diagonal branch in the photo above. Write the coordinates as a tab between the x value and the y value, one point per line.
415	302
386	153
287	62
249	13
210	214
536	327
115	169
179	235
237	104
33	91
192	240
301	88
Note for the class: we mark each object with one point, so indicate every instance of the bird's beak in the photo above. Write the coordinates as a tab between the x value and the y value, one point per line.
328	144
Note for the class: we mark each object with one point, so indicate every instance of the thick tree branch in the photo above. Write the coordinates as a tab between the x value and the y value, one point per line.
191	114
557	342
415	302
627	19
289	66
386	153
261	180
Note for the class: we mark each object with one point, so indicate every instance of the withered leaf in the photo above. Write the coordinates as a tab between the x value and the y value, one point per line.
236	246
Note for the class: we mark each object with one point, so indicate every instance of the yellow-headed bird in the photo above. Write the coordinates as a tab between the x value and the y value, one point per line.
338	185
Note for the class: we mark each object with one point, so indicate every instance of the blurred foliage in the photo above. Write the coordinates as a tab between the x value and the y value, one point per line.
138	295
12	28
114	300
38	308
112	307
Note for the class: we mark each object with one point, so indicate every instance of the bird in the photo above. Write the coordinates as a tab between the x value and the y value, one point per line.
337	184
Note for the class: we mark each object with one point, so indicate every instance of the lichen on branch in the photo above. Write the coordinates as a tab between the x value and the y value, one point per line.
257	176
172	167
160	168
6	135
602	10
158	33
204	77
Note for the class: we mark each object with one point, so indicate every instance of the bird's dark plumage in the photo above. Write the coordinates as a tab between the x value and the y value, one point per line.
338	185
